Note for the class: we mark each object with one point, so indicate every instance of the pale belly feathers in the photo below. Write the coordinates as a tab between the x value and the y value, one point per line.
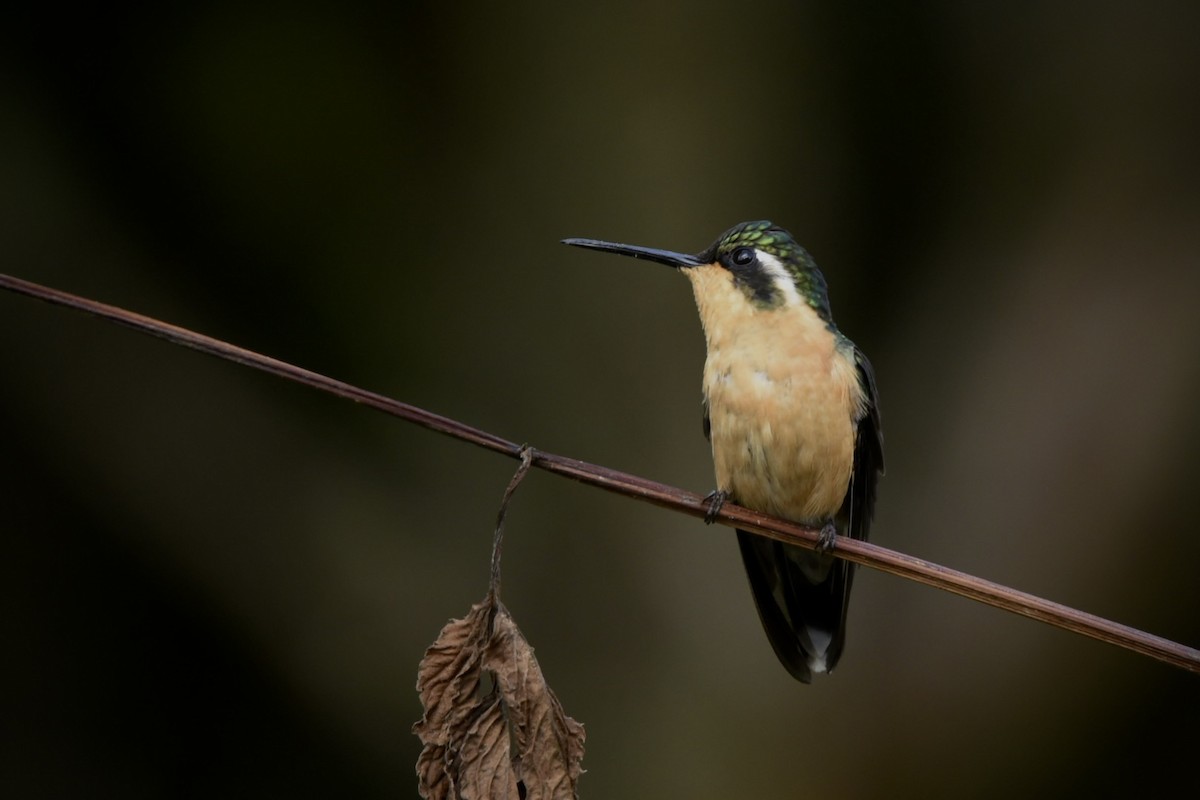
783	399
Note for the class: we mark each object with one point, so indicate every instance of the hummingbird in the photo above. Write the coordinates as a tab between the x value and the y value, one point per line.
792	414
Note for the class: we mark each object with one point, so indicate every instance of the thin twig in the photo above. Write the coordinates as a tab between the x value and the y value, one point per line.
498	538
864	553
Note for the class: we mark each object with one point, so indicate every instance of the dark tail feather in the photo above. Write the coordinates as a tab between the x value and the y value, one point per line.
801	599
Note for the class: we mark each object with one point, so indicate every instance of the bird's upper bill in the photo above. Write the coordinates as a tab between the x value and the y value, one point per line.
668	257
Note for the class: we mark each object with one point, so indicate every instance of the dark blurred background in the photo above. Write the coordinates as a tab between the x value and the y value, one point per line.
218	584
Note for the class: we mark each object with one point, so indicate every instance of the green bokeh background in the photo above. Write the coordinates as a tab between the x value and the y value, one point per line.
218	584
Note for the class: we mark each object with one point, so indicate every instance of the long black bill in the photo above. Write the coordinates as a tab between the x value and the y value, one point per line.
668	257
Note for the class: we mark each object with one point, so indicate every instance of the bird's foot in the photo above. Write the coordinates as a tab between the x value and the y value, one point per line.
826	538
716	500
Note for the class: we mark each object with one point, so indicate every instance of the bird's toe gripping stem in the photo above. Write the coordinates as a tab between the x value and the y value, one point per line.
826	538
716	500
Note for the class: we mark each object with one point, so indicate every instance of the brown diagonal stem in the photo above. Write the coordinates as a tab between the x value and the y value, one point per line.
671	497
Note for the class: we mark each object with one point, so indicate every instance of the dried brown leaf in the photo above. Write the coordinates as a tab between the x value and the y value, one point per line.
486	756
510	741
448	680
549	744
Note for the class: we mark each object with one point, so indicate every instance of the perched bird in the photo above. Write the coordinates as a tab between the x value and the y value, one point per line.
790	409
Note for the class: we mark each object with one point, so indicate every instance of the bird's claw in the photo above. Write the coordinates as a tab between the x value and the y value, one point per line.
716	500
826	538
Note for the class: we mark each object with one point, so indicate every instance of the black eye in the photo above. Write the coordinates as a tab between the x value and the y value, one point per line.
742	256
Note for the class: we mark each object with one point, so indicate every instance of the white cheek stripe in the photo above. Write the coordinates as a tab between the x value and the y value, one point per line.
779	276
